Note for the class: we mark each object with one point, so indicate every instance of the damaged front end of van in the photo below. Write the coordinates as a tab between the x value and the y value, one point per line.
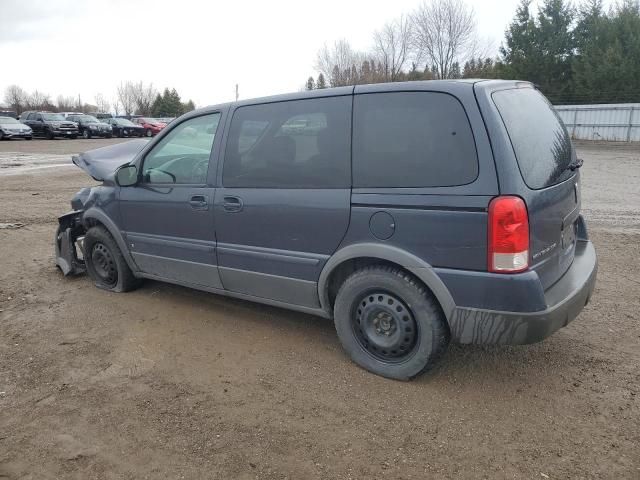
91	204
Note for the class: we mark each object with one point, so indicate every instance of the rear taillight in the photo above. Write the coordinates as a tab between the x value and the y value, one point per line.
508	235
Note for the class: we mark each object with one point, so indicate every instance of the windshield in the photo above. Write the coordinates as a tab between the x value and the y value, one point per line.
124	122
539	138
8	120
53	117
87	119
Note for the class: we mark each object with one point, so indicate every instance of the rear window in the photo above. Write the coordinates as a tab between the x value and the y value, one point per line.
412	140
540	140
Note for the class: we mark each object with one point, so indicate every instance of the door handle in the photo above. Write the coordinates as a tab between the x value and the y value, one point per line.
199	202
232	204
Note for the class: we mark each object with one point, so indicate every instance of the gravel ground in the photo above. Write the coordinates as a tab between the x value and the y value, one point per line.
166	382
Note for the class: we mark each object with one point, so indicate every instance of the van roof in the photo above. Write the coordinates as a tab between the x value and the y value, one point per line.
439	85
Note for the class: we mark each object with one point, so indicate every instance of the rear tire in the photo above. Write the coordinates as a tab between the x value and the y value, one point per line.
105	263
389	323
50	135
86	134
149	133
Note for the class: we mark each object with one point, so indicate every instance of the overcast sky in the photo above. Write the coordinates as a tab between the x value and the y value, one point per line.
202	48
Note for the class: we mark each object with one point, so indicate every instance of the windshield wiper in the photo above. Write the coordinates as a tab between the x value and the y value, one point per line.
575	165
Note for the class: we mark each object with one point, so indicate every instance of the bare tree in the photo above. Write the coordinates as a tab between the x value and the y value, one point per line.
116	106
126	97
38	100
65	104
16	98
143	97
445	33
102	104
392	46
336	63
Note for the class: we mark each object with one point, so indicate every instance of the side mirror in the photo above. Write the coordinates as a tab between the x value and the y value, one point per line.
127	176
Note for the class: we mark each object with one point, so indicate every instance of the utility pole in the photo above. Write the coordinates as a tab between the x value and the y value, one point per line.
236	92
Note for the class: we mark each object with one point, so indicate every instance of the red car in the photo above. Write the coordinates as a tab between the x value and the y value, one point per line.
151	125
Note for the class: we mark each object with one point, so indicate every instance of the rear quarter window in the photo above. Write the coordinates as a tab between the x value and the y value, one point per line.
412	140
540	140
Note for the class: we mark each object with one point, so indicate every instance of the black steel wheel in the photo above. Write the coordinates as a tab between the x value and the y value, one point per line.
389	322
104	264
384	326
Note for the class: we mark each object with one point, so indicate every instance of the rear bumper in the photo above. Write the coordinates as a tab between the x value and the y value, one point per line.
564	301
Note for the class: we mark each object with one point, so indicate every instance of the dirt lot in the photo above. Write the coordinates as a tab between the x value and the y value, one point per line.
166	382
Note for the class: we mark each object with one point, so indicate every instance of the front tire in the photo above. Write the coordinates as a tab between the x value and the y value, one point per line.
105	263
86	134
389	323
50	135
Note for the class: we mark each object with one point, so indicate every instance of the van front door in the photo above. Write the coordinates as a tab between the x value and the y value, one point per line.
284	204
168	216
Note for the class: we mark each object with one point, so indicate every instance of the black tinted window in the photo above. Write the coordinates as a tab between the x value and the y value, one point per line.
296	144
539	138
412	139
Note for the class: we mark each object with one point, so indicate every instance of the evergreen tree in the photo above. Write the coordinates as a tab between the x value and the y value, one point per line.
187	107
520	54
311	84
556	42
321	83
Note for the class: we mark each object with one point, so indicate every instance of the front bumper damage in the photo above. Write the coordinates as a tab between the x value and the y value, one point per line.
68	243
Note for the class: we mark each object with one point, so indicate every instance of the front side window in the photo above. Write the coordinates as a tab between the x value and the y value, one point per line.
412	140
182	156
294	144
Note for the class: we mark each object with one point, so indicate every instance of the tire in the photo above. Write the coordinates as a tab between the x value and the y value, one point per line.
119	133
109	136
49	134
86	134
28	138
105	264
73	137
1	136
148	132
389	323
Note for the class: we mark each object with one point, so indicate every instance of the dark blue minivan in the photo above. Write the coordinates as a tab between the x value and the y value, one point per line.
412	214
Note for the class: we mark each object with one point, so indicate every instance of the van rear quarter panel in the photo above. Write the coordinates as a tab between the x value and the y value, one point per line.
551	209
444	226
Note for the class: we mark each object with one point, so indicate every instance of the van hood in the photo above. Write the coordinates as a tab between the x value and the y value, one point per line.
101	163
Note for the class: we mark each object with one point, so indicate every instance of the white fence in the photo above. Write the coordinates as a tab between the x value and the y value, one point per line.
615	123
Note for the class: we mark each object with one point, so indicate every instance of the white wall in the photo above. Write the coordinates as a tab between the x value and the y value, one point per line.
617	122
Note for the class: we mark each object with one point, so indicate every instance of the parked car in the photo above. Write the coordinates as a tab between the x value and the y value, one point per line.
151	126
166	120
89	126
49	125
421	212
12	128
124	128
8	113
